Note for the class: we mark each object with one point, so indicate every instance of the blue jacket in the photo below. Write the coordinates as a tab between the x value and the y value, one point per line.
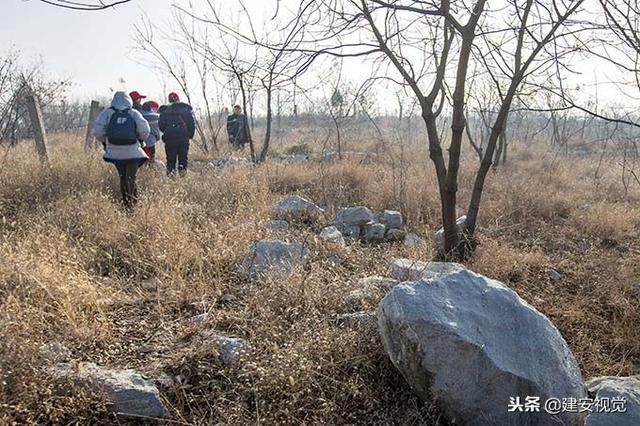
177	122
153	120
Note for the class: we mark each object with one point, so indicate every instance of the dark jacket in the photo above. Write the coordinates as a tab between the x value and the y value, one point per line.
177	122
238	129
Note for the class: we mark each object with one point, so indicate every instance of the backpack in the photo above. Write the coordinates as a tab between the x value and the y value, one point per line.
176	127
121	129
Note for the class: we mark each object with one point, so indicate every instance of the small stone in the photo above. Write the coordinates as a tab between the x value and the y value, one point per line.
554	275
412	270
276	225
198	319
438	236
231	348
127	392
392	219
354	216
331	233
374	232
298	209
612	388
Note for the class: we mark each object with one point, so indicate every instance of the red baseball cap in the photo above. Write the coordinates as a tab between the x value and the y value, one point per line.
173	97
136	96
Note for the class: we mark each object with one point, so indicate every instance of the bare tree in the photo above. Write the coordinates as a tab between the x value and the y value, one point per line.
84	5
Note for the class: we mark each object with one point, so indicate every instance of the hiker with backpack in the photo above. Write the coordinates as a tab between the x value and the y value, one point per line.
178	126
149	111
121	130
238	128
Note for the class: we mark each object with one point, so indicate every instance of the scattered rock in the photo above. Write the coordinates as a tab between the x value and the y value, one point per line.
554	275
611	389
271	258
198	319
374	232
392	219
438	236
413	240
228	161
296	208
353	216
363	319
231	348
331	233
395	235
472	343
276	225
56	352
352	231
127	392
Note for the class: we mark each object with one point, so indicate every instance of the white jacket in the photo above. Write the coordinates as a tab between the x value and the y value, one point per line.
121	101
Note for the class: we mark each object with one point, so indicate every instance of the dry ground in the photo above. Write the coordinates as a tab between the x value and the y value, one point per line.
116	288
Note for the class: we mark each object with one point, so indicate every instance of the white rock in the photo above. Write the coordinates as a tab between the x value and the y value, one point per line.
331	233
412	270
198	319
554	275
392	219
354	216
374	232
296	208
231	348
126	391
272	258
473	344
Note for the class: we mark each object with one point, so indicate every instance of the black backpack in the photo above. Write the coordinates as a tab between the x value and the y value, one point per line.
121	129
176	127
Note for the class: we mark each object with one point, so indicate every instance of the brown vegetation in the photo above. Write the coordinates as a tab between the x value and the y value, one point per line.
116	288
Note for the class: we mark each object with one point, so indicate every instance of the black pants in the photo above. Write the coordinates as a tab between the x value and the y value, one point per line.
128	186
177	151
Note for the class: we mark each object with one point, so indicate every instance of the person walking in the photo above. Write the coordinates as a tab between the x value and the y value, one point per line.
150	113
121	129
178	125
238	128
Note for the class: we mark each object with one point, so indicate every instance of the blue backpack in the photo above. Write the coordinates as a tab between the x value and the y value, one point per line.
121	129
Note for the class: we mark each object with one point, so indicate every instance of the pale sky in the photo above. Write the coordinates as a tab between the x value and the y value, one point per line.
93	49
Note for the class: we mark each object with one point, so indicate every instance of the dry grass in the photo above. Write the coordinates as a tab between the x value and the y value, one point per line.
75	268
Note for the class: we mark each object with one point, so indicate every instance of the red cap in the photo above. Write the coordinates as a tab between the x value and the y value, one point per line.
173	97
153	105
136	96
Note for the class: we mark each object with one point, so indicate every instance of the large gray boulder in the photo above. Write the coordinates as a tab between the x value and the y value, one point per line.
354	216
473	344
126	391
297	209
610	391
272	258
